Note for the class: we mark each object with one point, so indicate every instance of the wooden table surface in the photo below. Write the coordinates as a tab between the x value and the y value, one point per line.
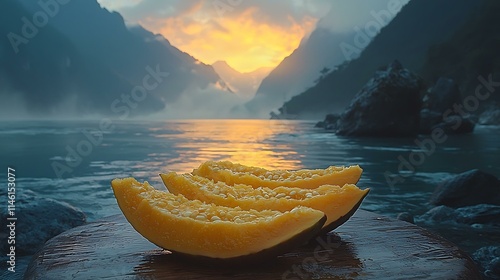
368	246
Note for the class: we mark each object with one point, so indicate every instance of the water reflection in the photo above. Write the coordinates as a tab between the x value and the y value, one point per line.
250	142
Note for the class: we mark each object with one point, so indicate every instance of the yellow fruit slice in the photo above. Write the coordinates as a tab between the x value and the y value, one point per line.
338	203
232	173
210	232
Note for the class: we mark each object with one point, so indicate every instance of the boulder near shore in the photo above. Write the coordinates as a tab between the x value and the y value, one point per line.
387	106
39	219
467	189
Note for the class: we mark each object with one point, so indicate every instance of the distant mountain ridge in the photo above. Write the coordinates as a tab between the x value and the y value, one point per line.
243	84
299	70
84	59
407	38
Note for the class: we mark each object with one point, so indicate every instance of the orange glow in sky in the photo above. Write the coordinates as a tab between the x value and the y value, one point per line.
243	42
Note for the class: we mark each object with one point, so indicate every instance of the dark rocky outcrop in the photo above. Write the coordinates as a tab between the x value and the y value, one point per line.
470	199
456	125
438	103
491	116
466	189
482	214
428	120
489	259
442	96
406	216
330	122
387	106
436	113
38	220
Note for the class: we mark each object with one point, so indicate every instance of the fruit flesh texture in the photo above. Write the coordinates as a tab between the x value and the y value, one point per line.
232	173
195	228
334	201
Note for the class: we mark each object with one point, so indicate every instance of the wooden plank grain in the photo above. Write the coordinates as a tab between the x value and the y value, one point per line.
368	246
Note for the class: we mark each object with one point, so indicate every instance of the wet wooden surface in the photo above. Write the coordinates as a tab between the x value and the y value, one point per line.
368	246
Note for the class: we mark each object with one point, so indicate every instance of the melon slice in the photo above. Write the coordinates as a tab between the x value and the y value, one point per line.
232	173
210	232
338	203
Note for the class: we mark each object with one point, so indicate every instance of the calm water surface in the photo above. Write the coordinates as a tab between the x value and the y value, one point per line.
144	148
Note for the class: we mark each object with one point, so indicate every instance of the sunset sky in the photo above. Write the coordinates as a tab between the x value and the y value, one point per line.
248	34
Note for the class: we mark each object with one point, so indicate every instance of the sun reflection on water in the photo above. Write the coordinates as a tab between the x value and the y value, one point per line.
249	142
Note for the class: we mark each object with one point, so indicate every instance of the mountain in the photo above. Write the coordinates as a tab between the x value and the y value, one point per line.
244	84
31	80
408	37
299	70
471	52
82	58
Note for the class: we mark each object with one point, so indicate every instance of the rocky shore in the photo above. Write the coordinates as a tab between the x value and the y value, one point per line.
37	220
469	200
397	103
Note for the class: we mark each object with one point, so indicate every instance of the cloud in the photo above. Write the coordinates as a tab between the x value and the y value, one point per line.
116	5
248	34
242	41
344	15
272	12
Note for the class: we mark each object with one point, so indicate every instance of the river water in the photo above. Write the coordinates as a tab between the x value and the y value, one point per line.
40	150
